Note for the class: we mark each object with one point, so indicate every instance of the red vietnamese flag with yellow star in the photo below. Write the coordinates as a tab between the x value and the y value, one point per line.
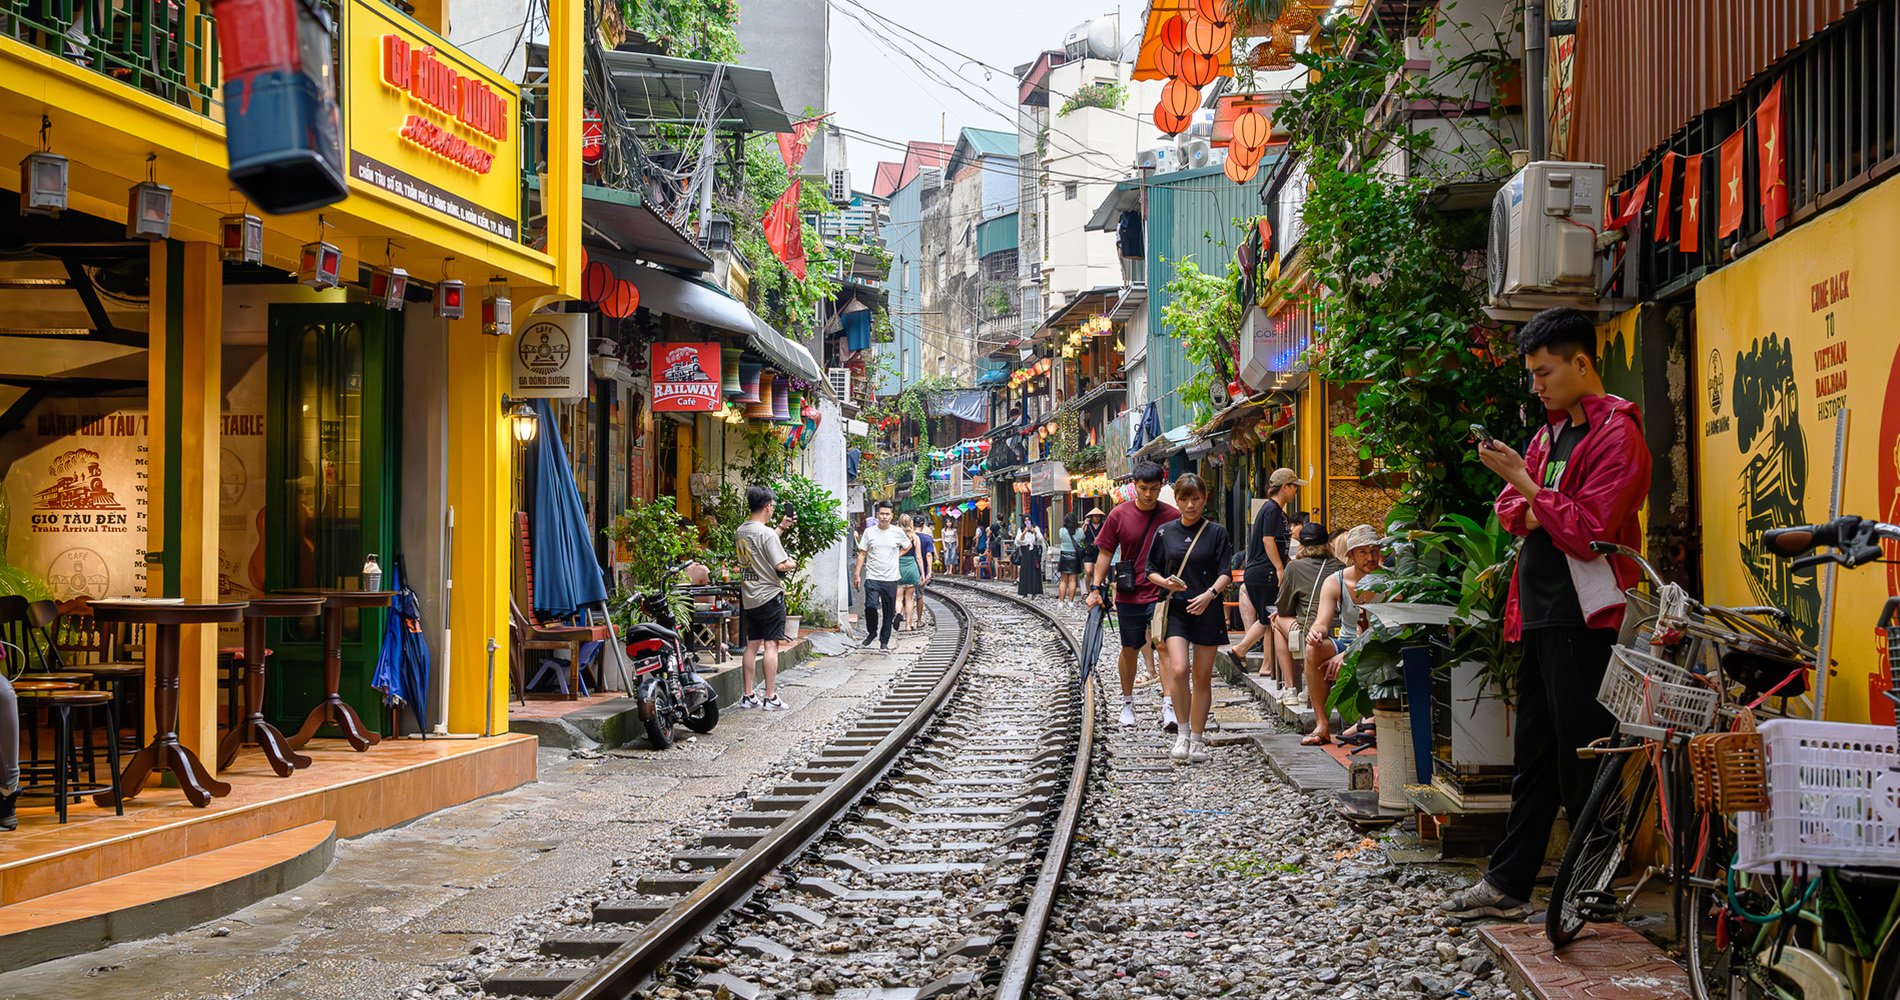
1772	157
1734	149
785	230
1664	218
1691	203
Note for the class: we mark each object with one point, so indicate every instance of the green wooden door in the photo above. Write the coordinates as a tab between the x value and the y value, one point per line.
331	454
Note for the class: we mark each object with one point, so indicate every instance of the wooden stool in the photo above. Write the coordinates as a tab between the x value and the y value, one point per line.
59	705
73	677
126	682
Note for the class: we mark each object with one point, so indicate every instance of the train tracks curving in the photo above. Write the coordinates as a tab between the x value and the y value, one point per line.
917	856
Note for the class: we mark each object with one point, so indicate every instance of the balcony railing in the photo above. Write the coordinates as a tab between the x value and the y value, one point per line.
163	47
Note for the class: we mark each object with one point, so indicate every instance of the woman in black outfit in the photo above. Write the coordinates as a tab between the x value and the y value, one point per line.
1189	560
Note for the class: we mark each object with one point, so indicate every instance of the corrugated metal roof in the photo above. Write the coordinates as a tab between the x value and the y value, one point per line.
1645	69
979	142
663	88
1000	233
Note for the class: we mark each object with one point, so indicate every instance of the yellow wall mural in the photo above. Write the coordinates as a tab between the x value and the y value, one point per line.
1787	337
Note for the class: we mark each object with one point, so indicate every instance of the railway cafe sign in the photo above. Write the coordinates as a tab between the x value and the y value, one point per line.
426	125
685	378
550	357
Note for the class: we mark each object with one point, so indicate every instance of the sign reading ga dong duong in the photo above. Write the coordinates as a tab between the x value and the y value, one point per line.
551	356
685	377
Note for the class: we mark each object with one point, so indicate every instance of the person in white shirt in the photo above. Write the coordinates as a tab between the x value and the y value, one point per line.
878	550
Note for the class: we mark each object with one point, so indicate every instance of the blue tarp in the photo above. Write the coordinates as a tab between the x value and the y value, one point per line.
567	577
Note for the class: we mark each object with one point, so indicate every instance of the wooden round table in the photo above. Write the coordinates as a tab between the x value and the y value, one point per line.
165	752
333	708
252	729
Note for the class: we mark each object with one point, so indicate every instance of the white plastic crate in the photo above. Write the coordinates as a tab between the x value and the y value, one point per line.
1833	798
1644	690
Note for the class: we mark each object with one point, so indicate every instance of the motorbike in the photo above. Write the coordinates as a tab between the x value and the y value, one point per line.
666	676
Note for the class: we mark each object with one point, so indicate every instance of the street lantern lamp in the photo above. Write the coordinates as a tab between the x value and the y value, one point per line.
43	184
243	241
522	418
149	211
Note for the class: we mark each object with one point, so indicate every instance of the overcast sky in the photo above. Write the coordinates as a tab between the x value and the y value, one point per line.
880	92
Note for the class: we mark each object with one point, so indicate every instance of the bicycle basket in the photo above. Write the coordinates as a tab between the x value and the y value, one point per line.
1729	773
1646	691
1833	798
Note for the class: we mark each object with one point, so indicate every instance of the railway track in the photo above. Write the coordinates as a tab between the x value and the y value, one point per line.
917	856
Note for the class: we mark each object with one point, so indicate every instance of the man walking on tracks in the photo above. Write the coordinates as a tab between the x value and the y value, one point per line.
1131	528
879	546
1581	481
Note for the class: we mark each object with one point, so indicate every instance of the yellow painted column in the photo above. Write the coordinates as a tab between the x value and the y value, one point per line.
563	195
481	457
185	400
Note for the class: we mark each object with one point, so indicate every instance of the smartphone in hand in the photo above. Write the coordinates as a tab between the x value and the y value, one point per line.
1484	436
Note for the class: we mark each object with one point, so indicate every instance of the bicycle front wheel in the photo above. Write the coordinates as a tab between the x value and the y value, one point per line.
1598	840
1710	947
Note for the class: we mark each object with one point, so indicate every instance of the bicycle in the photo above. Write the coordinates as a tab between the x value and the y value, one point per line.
1810	936
1677	671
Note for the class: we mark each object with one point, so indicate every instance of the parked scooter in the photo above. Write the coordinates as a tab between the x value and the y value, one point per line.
666	677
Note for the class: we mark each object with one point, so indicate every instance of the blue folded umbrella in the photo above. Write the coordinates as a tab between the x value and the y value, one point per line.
402	670
567	577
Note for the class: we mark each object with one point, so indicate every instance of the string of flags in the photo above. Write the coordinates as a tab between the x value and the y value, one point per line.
784	226
1679	206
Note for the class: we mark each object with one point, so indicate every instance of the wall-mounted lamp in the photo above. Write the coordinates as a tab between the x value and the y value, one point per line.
522	418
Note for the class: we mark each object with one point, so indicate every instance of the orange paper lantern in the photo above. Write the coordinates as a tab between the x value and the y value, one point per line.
1180	98
1167	121
1168	61
1198	70
1174	33
1212	10
1251	128
622	301
1209	38
1247	155
597	280
1240	174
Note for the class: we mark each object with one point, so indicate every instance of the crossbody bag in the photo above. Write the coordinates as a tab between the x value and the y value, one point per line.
1158	625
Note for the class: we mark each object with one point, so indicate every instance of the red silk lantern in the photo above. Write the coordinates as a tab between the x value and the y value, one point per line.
1198	70
1213	10
1168	122
1174	33
622	300
1208	38
597	281
1247	155
1240	174
1252	129
1168	61
1180	98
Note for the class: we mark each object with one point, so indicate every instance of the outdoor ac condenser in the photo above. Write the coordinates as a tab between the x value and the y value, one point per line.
1544	223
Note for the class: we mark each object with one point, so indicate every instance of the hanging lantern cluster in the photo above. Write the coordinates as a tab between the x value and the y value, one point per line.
1251	132
1022	376
616	296
1194	46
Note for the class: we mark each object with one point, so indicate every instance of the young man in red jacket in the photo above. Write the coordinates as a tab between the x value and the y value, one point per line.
1582	480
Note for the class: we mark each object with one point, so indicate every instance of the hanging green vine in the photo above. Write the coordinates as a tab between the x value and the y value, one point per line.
1203	312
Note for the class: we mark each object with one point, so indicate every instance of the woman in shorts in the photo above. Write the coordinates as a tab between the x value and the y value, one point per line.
1188	560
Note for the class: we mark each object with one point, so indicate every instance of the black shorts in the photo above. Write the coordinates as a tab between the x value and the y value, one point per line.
766	622
1134	619
1209	628
1262	596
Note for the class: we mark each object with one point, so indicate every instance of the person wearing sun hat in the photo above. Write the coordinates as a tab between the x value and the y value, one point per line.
1339	600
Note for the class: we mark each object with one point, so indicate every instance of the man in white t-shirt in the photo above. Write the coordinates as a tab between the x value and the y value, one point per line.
879	547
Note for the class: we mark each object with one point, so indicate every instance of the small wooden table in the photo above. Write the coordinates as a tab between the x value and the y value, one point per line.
333	708
165	752
252	729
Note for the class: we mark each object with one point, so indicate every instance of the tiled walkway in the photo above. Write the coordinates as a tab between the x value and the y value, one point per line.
1605	962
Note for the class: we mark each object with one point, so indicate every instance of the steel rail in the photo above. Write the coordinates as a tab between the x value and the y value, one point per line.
1019	968
678	930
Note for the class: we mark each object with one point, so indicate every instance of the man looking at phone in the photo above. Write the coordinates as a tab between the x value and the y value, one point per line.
1131	528
1582	480
880	545
763	563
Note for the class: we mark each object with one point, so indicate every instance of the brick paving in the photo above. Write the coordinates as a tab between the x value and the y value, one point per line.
1605	962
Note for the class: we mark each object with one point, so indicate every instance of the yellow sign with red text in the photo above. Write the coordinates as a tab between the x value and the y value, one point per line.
428	126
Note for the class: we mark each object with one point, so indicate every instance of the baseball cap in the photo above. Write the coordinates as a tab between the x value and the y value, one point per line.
1362	536
1313	533
1282	477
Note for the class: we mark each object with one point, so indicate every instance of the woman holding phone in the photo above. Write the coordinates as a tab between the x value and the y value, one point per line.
1189	560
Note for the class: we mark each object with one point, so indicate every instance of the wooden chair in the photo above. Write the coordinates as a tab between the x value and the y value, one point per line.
531	633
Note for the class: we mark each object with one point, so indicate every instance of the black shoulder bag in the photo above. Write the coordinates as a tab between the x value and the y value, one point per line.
1127	572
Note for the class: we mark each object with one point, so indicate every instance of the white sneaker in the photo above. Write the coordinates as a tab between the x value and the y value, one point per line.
749	701
1168	721
772	704
1128	712
1197	748
1180	751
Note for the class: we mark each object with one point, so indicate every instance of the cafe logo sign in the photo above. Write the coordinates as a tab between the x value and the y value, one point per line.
549	362
685	377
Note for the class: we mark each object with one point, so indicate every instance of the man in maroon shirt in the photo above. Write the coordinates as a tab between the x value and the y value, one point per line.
1131	528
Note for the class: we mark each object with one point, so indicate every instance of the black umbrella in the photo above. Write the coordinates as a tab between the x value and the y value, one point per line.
1091	650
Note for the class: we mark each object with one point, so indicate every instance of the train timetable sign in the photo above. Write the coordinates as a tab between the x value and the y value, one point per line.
426	125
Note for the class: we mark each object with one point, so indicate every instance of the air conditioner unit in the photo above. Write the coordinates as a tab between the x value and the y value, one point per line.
1199	153
840	379
1543	230
1161	159
840	187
